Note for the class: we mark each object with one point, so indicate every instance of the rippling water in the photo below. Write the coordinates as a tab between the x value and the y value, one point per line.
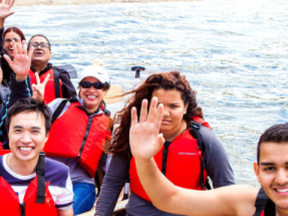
234	54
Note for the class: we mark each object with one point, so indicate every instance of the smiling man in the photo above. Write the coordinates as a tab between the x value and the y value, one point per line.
29	182
59	84
271	170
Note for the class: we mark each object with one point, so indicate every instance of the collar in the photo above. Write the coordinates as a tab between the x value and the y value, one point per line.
48	67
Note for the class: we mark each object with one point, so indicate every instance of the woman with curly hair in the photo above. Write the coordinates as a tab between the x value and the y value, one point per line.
185	159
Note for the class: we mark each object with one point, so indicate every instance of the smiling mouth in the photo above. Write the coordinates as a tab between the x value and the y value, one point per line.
25	149
92	96
282	190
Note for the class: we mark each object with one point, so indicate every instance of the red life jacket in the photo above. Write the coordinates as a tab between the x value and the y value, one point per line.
183	165
75	134
32	206
53	87
3	151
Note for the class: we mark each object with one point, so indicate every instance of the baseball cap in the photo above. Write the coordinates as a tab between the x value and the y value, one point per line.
95	71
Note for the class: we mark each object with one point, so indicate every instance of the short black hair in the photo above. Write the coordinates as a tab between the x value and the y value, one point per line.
39	35
29	105
277	133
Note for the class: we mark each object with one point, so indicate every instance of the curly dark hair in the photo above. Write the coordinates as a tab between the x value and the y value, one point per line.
167	81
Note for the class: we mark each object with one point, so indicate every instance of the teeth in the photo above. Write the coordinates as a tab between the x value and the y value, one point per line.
282	190
91	96
25	148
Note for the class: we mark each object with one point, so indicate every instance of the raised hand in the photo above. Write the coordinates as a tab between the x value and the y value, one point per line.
21	62
5	6
145	140
39	88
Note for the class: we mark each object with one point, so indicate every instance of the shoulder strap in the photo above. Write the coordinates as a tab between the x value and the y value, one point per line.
56	83
40	172
58	110
194	129
264	203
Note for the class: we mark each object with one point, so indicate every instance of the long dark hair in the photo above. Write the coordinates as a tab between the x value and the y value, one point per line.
167	81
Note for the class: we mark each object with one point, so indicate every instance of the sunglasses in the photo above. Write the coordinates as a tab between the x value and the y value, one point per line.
96	85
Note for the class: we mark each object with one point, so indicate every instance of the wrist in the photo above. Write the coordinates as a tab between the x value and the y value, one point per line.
20	78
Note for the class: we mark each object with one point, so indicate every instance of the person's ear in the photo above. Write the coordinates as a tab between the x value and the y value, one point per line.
47	136
256	170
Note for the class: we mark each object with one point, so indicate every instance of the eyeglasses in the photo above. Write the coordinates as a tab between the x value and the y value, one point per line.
8	40
96	85
42	45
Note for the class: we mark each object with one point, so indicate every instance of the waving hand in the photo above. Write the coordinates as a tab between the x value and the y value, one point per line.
5	6
145	140
21	62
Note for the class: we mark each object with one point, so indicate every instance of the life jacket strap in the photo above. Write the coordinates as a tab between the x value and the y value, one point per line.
40	172
263	203
194	129
56	83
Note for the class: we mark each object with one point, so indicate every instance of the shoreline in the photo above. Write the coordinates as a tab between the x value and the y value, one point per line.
84	2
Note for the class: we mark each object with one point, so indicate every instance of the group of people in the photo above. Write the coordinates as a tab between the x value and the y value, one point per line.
166	152
80	125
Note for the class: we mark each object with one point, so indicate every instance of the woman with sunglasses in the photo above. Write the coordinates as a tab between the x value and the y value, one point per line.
6	37
181	158
80	129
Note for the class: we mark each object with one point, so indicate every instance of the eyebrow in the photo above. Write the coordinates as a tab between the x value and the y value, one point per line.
269	164
34	127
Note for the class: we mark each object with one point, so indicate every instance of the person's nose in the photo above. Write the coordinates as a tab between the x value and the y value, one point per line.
166	111
281	177
26	137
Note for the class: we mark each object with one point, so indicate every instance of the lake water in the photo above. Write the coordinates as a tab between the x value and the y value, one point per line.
234	54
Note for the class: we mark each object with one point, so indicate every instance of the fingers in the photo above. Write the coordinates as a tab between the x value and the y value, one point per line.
11	3
159	116
46	80
30	52
143	111
134	120
24	47
152	109
19	47
160	139
37	78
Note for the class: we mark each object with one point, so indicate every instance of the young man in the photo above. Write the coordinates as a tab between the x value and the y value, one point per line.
29	182
271	170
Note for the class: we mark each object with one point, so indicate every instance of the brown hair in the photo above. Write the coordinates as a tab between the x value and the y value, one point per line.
16	30
167	81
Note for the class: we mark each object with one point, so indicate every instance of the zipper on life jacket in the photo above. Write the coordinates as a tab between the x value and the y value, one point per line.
165	154
22	209
85	137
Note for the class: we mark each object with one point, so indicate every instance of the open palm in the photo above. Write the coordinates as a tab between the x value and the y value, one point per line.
145	140
21	62
5	8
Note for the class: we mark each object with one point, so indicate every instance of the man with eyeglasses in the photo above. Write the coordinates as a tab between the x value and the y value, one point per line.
59	84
